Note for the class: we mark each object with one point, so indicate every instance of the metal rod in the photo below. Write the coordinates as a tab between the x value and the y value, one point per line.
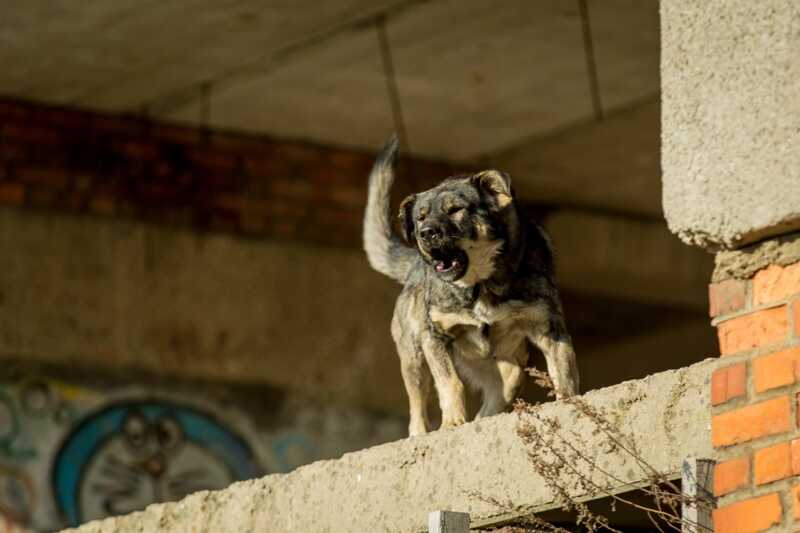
391	83
591	62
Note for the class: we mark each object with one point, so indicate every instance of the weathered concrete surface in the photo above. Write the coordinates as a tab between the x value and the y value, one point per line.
392	487
745	262
730	109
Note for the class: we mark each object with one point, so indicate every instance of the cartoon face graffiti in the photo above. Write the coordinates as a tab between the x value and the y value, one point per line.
130	455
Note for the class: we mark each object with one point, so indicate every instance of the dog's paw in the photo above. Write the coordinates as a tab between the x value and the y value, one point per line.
454	420
416	428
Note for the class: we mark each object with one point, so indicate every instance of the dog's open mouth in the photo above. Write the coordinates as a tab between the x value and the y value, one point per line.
449	263
445	265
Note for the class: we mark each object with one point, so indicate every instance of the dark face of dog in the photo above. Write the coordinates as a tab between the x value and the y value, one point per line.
460	225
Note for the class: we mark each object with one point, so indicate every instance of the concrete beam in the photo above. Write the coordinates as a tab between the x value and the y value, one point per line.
627	258
393	487
731	105
610	164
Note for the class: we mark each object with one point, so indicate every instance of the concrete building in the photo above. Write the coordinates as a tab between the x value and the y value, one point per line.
184	302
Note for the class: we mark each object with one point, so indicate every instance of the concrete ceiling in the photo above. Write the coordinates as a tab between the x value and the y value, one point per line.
477	81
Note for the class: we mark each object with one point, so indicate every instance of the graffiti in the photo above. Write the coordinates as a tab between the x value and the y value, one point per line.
69	453
292	449
132	454
17	498
11	438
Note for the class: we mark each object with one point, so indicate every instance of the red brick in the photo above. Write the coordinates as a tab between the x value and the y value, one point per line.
215	162
753	330
796	317
796	498
749	516
354	197
178	134
12	109
727	383
139	149
727	296
795	445
776	370
47	176
102	204
116	124
747	423
12	193
42	197
772	463
776	283
731	475
232	202
12	151
28	132
291	188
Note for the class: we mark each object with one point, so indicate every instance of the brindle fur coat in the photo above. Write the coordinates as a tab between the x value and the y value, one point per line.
478	290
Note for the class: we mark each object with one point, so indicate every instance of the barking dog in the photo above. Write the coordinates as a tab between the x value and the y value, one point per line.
478	290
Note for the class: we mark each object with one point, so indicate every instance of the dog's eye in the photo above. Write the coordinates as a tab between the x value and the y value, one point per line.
455	209
421	217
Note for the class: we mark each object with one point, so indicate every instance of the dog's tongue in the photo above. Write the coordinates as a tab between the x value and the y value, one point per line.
444	266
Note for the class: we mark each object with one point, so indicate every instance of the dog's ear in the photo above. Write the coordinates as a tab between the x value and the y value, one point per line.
496	184
406	218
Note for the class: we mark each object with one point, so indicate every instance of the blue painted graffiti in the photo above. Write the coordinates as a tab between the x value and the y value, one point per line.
134	453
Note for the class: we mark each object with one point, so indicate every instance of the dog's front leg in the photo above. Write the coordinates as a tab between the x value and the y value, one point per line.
556	346
438	354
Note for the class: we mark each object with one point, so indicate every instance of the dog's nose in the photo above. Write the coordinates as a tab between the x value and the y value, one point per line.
430	234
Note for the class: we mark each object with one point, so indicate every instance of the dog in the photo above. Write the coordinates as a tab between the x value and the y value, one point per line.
478	290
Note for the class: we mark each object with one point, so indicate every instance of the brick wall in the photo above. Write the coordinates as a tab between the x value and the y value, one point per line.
108	165
754	394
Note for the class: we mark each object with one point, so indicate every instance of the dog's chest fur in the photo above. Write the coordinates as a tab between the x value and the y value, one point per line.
486	328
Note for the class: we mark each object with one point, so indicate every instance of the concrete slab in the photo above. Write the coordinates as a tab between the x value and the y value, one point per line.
334	93
731	105
472	78
626	40
393	487
120	54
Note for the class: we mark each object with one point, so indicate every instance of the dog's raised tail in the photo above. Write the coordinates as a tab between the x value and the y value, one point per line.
385	251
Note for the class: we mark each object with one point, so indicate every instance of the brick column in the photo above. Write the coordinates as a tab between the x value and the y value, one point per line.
755	390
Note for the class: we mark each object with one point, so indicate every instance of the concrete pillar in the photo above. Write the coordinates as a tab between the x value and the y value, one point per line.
730	116
731	166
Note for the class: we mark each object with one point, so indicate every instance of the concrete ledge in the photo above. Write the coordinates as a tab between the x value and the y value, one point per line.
744	263
393	486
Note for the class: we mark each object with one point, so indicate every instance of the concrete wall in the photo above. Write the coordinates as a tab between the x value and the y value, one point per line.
190	437
730	109
109	295
392	487
114	295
